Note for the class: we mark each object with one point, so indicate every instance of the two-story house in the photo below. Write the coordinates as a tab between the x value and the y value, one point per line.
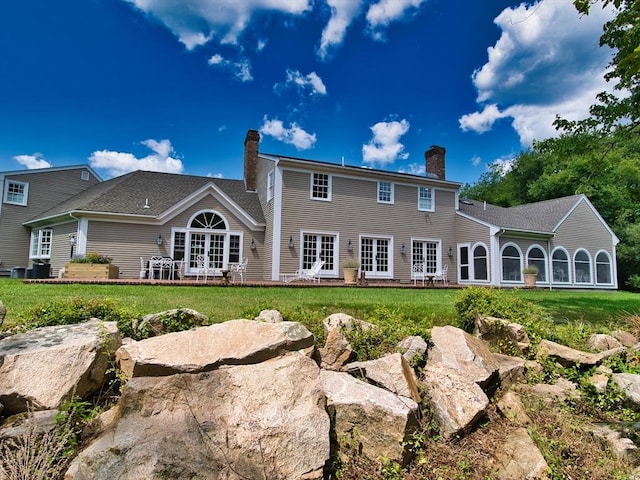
287	212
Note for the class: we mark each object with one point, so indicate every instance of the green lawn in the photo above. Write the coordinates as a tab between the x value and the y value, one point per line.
424	307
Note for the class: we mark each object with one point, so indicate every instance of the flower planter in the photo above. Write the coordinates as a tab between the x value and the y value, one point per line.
530	280
350	275
91	270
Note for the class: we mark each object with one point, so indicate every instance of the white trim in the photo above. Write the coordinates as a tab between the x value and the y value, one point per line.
589	263
391	253
583	198
437	241
506	280
391	192
25	194
276	236
472	265
312	174
433	199
569	266
81	236
336	251
595	268
545	255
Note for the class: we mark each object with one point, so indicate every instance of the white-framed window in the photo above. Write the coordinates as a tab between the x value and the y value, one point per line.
537	258
511	263
41	244
320	246
603	268
425	199
582	266
464	269
385	192
16	193
321	186
426	252
270	176
84	175
376	256
560	265
480	263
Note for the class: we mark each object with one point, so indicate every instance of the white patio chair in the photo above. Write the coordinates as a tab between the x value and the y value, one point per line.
441	276
311	274
239	268
155	265
144	270
418	273
202	267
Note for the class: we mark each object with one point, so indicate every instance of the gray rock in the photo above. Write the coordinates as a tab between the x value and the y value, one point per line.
413	349
520	459
560	391
337	351
391	372
266	420
344	322
566	356
625	338
511	407
510	369
456	350
154	324
376	419
43	368
270	316
496	331
235	342
599	342
630	385
621	446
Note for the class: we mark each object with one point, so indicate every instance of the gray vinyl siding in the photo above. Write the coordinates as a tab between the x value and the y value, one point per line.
354	211
583	229
262	254
60	248
46	189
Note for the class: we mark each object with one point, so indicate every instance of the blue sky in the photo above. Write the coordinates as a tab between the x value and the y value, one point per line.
157	85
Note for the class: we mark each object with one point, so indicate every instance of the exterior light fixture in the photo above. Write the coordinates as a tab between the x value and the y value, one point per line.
450	252
290	241
72	243
159	240
402	248
253	244
350	246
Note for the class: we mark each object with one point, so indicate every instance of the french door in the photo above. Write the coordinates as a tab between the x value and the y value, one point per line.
375	256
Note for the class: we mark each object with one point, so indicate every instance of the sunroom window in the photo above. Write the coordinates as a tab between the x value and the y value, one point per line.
41	244
603	268
511	264
560	263
582	265
536	258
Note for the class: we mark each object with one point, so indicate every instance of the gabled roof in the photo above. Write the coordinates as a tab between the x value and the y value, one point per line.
150	194
12	173
538	217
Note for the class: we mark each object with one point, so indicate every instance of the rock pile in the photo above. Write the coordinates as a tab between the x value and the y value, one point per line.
259	399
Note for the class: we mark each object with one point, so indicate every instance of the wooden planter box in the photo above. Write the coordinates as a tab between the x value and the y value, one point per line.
91	270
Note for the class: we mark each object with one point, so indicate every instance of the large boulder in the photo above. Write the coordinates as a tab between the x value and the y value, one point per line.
629	383
266	420
391	372
456	350
43	368
376	419
236	342
457	403
569	357
336	352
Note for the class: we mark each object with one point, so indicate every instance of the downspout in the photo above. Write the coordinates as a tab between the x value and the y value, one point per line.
549	263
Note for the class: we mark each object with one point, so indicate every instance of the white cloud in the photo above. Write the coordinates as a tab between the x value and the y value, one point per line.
241	69
294	135
32	161
303	83
384	12
118	163
196	22
385	147
343	13
414	169
504	164
476	160
547	62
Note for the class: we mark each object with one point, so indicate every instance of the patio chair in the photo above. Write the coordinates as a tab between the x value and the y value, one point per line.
155	265
441	276
144	268
202	267
311	274
418	273
239	268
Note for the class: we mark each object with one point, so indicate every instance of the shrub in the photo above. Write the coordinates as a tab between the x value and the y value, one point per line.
91	257
503	304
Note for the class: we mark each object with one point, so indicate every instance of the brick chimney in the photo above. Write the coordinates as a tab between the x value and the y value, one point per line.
434	158
251	142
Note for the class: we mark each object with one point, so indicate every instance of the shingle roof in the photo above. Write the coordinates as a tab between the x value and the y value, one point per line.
129	193
534	217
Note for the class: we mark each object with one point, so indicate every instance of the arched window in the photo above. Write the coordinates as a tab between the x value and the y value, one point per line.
560	264
208	220
511	264
582	266
480	270
535	257
603	268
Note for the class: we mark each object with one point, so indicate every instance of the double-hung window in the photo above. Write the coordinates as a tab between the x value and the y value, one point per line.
16	192
385	192
321	186
41	244
270	185
425	199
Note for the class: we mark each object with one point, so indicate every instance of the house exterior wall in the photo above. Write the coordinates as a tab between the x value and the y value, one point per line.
354	212
470	233
262	255
47	188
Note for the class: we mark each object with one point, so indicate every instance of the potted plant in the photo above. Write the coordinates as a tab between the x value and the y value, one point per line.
350	267
92	265
530	276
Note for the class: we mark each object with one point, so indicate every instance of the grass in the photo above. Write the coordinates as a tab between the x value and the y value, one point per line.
422	306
